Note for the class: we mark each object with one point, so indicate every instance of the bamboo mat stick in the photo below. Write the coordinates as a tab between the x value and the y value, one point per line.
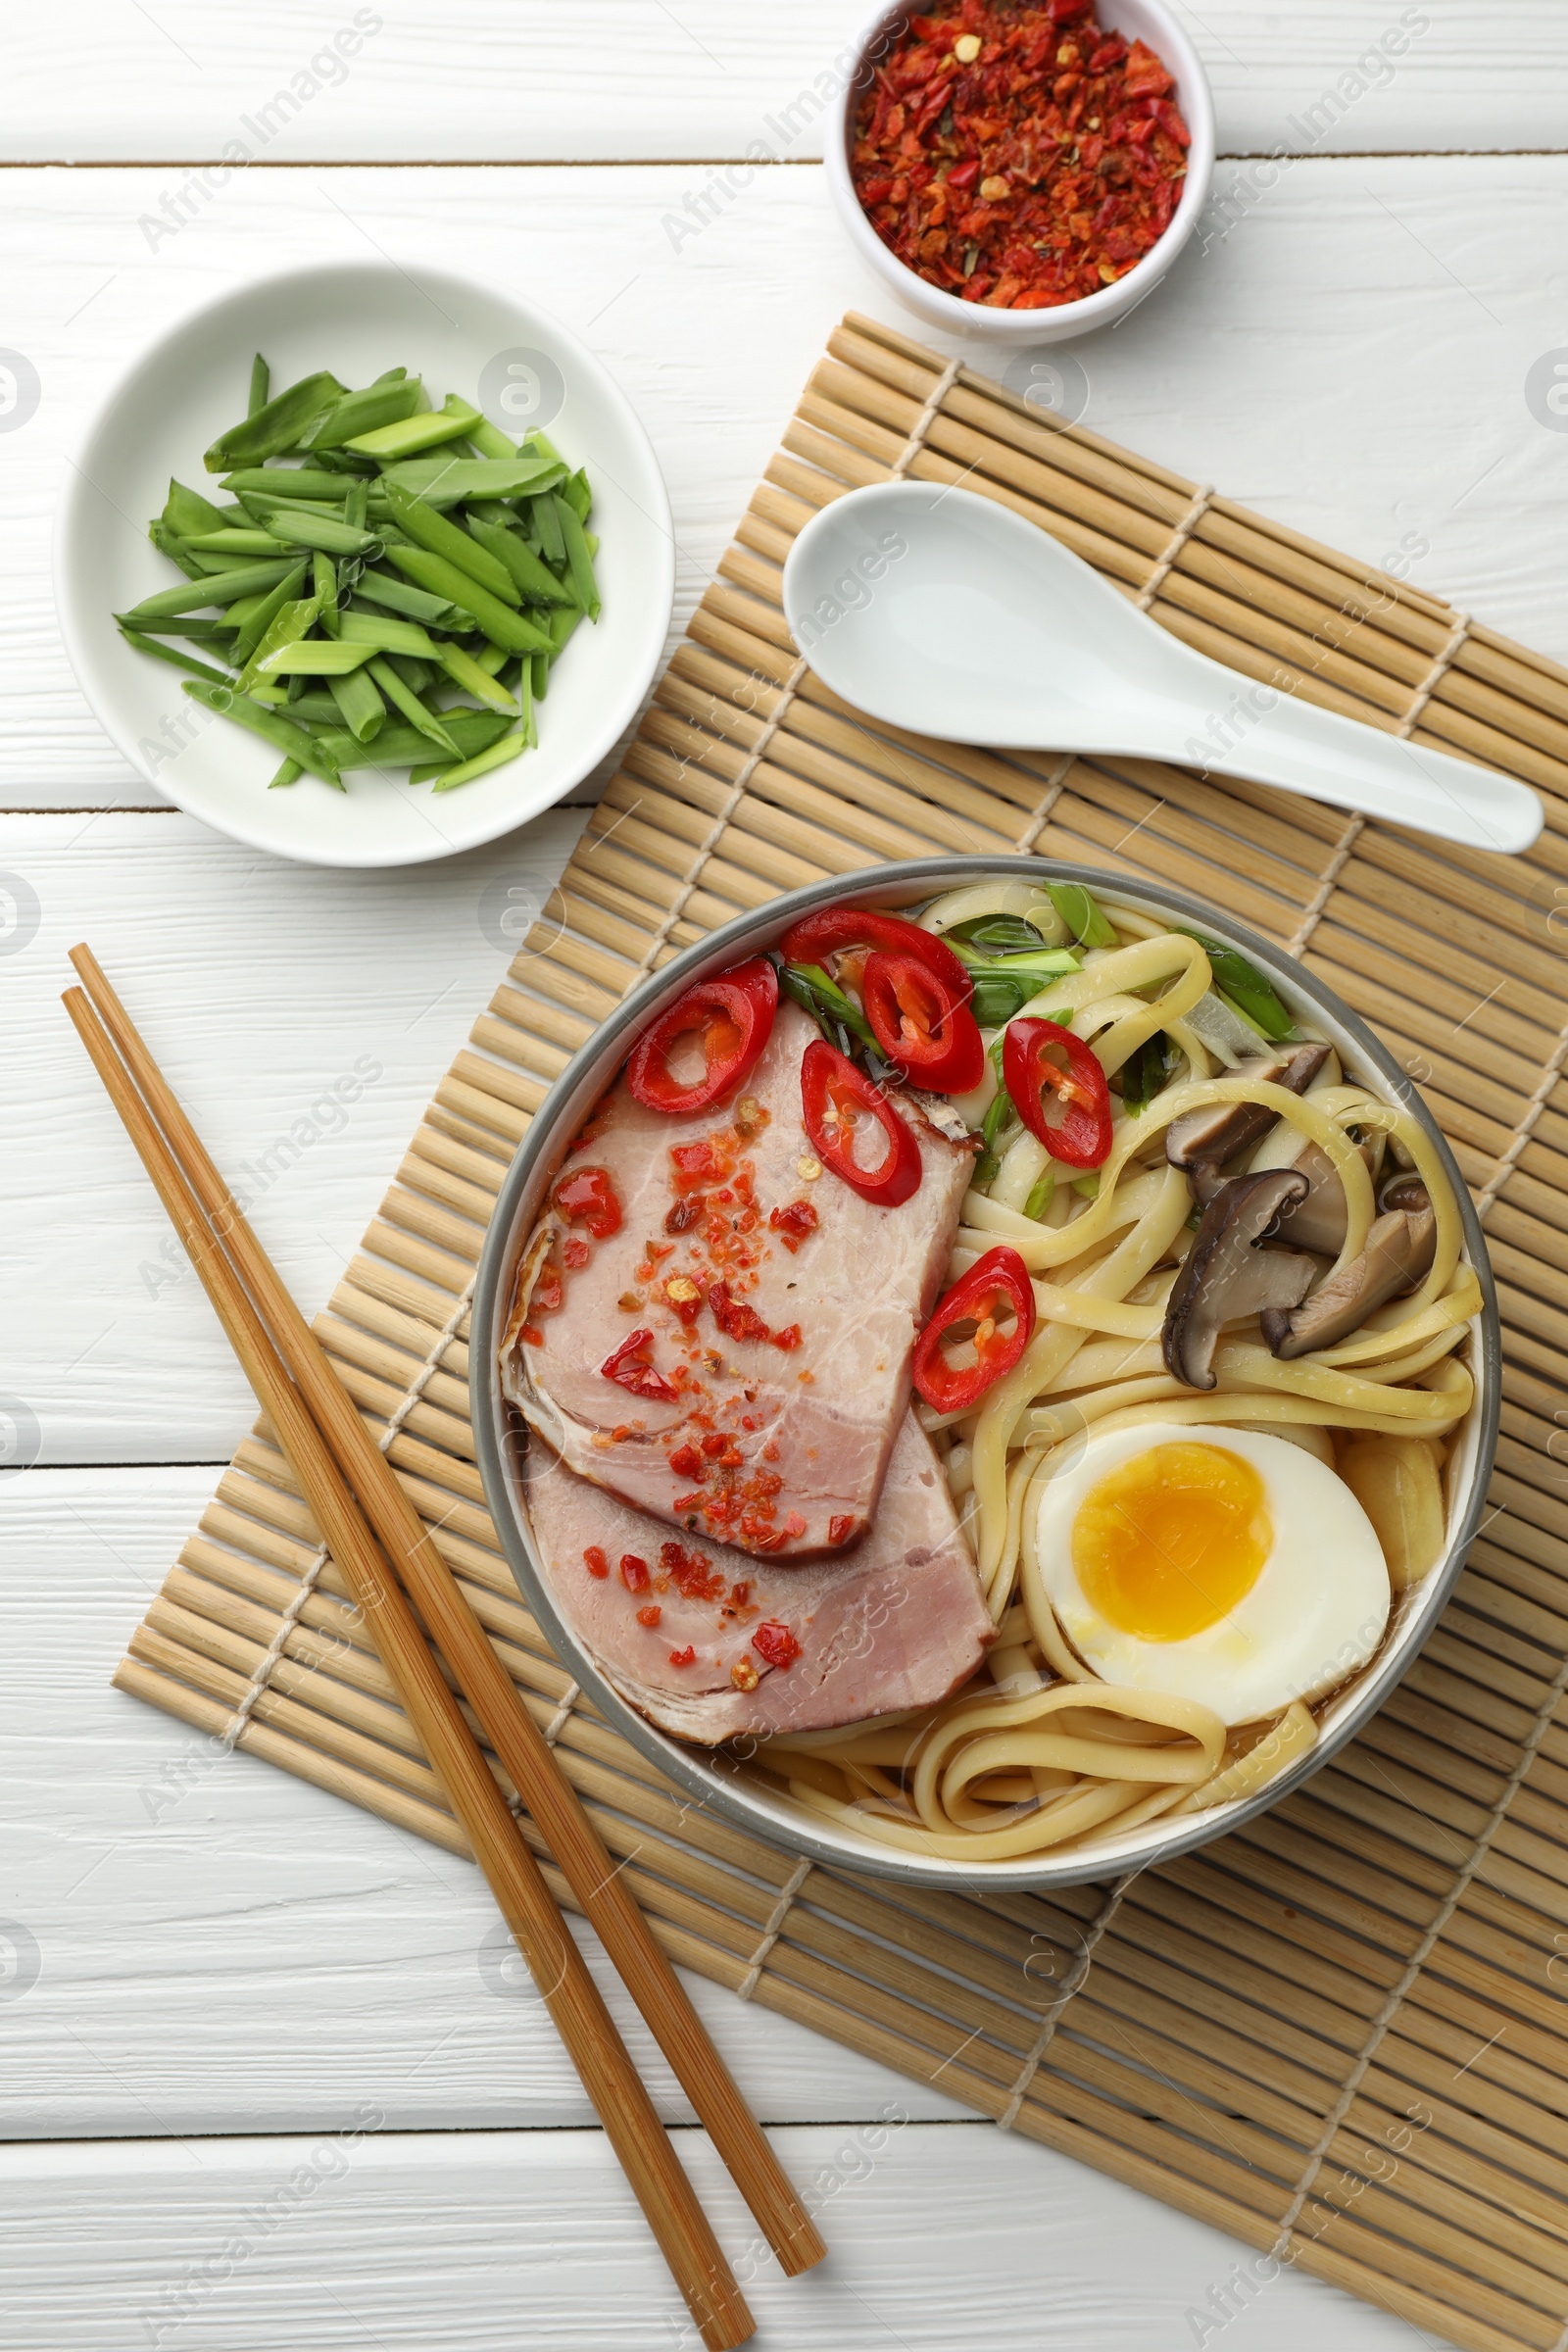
619	2095
507	1725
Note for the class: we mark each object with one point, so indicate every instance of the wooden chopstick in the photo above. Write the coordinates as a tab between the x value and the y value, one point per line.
619	2095
511	1730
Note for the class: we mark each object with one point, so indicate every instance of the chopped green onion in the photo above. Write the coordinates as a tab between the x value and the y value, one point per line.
1255	996
1086	922
1041	1195
276	426
508	748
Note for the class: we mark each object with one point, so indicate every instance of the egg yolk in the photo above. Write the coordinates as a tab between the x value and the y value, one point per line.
1166	1544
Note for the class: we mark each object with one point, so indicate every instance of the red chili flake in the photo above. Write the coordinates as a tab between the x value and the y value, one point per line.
694	1577
633	1572
683	1657
650	1615
714	1445
588	1197
686	1213
686	1462
740	1594
548	1291
792	1222
1030	175
687	1502
693	1164
770	1451
775	1644
793	1526
630	1368
577	1255
788	1338
534	1337
595	1561
840	1530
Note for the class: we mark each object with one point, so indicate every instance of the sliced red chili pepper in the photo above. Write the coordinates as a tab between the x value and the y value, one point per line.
732	1017
818	935
835	1100
575	1256
588	1197
1046	1071
630	1368
775	1644
921	1024
996	1297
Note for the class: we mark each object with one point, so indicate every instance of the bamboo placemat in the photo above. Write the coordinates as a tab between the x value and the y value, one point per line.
1339	2034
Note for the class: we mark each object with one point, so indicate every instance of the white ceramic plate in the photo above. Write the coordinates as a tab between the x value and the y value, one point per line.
358	319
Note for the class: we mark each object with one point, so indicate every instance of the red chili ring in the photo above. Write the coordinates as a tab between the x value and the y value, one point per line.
1000	1277
1080	1137
921	1024
817	936
830	1081
734	1014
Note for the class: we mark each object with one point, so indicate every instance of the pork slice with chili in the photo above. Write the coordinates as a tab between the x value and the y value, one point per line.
734	1356
712	1645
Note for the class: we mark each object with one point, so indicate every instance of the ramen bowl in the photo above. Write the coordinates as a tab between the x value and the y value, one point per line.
717	1780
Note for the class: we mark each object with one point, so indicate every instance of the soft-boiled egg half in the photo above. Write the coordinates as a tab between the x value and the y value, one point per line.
1218	1565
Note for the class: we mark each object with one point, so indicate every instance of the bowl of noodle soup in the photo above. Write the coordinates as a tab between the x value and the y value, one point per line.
1042	1770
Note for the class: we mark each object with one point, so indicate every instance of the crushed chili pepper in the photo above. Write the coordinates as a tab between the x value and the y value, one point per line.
792	1222
633	1572
650	1615
595	1562
841	1527
775	1644
1029	172
683	1657
588	1197
630	1368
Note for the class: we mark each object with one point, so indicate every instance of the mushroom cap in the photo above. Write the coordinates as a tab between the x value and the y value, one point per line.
1399	1250
1225	1276
1204	1143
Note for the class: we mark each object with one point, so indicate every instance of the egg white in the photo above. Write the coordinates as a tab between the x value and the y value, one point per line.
1315	1614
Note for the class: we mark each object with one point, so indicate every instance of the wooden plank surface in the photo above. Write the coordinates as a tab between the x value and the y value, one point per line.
1349	356
597	80
476	2241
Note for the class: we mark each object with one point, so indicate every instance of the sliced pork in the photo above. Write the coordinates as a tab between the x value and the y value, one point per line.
716	1328
711	1644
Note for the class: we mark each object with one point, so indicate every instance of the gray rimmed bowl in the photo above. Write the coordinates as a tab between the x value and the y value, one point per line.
718	1785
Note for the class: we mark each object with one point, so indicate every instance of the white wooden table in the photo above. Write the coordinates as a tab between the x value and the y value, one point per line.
200	1999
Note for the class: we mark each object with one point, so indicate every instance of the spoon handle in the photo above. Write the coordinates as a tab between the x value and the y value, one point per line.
1298	747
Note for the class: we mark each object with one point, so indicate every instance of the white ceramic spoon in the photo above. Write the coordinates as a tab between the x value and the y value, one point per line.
941	612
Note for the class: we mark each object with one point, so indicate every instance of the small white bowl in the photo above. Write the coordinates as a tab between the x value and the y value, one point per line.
1147	20
357	318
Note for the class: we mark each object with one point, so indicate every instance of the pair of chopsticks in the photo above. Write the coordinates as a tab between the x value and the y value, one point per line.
390	1561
